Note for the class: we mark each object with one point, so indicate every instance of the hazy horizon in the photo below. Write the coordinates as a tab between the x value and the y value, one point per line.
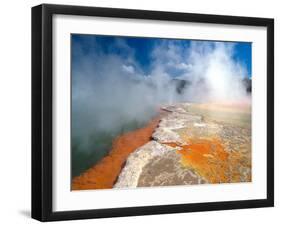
117	82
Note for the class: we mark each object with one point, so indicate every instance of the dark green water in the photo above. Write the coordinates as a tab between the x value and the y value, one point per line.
100	144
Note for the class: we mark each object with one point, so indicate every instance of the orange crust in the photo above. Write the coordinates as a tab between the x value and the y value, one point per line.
104	174
208	158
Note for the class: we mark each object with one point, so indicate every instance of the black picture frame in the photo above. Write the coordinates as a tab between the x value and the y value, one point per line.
42	106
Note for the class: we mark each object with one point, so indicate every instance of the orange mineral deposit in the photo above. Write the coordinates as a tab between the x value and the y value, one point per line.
104	174
208	158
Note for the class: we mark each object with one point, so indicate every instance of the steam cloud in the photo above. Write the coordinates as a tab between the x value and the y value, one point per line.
109	89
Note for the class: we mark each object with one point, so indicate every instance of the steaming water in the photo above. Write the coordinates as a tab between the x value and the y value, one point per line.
113	94
99	145
100	141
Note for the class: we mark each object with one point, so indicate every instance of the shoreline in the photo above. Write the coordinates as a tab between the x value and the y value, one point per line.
104	174
188	148
179	146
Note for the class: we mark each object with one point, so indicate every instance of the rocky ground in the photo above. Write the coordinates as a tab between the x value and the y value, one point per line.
192	147
104	174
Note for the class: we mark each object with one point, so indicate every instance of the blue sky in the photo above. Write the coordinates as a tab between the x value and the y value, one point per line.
243	54
127	78
141	49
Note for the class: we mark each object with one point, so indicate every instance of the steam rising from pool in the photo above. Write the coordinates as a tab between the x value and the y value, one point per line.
112	93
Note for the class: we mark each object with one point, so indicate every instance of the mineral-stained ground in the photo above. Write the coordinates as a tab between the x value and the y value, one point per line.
190	144
194	144
104	174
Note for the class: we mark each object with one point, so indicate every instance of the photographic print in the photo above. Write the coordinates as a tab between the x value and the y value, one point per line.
150	112
139	112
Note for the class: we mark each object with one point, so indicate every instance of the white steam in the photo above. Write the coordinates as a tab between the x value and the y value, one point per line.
109	90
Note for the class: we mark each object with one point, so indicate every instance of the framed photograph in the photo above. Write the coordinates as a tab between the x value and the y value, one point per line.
145	112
